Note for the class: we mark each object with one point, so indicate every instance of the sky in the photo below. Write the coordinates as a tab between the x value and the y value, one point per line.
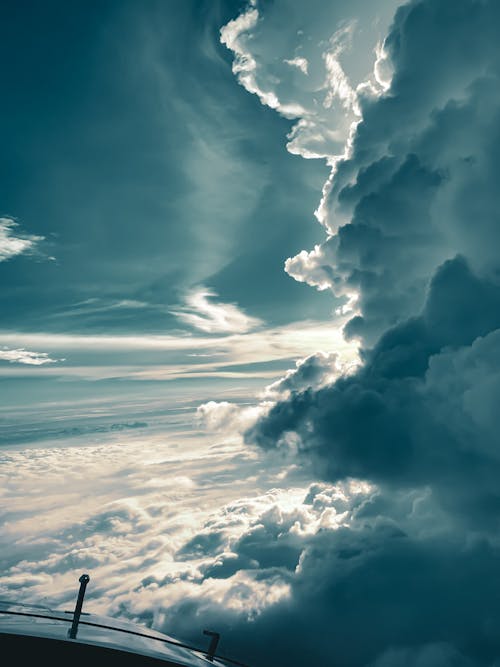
250	322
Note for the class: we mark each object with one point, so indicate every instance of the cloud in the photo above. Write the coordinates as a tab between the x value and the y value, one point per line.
214	317
22	356
98	305
13	243
301	63
308	68
396	207
416	412
179	537
313	371
299	563
229	417
411	218
151	515
57	431
264	353
427	280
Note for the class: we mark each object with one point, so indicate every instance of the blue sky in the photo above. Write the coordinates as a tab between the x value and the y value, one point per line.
250	322
146	179
144	185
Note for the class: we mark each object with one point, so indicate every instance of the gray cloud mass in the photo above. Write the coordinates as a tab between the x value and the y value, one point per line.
411	214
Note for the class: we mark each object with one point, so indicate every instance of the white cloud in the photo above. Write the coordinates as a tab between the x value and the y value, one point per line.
300	63
22	356
314	371
14	242
411	217
433	171
229	417
307	62
214	316
98	305
313	267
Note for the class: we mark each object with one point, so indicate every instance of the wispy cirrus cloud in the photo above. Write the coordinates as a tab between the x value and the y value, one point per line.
169	356
27	357
214	316
13	242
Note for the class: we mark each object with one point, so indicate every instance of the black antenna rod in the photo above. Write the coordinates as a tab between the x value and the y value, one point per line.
84	580
213	643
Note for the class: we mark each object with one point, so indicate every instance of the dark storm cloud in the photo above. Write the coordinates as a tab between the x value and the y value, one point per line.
371	575
414	413
412	214
420	261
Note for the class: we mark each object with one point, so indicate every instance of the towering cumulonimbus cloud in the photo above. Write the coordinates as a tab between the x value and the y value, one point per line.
418	185
390	556
411	212
414	229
